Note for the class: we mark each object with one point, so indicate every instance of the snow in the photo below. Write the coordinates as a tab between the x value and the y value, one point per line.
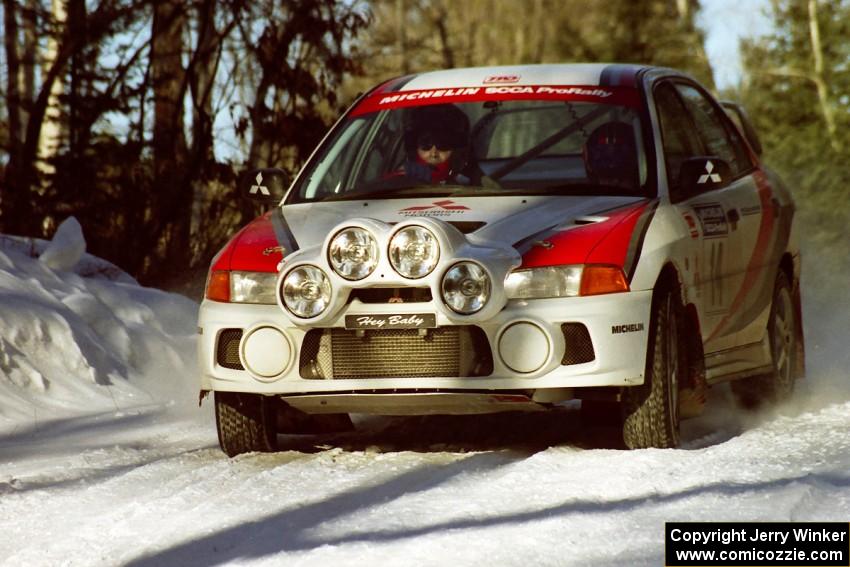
67	247
106	459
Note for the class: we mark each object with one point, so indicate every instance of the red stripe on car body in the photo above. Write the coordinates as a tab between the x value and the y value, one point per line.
255	248
604	242
757	259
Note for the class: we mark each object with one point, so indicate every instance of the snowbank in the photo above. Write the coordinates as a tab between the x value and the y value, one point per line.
78	335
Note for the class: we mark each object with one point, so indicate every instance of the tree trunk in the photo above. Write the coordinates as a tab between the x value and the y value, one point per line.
173	198
203	73
401	23
51	133
440	24
819	79
13	106
77	29
30	48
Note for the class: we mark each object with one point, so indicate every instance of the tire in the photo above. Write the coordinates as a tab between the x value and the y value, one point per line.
245	423
651	411
777	385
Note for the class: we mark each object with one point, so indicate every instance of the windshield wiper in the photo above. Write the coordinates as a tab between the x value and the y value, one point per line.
590	189
546	144
418	190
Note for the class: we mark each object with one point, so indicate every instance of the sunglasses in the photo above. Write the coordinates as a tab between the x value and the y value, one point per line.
428	141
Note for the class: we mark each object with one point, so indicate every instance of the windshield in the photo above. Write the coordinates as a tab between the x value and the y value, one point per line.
493	145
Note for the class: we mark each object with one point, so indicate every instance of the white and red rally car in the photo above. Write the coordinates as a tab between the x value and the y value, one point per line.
508	238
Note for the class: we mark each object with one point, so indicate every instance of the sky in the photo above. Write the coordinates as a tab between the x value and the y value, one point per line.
725	23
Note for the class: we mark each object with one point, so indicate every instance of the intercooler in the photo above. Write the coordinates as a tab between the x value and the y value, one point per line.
458	351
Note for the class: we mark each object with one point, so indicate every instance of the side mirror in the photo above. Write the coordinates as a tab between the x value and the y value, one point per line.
266	185
739	116
704	173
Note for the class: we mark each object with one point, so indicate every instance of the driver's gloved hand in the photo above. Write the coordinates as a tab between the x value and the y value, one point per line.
418	171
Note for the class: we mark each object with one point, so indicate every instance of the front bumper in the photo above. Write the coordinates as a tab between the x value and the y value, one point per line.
618	326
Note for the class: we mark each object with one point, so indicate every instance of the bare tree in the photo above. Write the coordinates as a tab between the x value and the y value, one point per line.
818	77
13	95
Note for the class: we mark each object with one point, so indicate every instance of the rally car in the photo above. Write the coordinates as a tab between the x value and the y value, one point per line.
509	238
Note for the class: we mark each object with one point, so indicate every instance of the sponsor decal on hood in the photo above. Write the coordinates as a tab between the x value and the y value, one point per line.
435	209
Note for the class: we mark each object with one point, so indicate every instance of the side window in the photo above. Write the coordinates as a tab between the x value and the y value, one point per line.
384	153
680	140
327	176
719	139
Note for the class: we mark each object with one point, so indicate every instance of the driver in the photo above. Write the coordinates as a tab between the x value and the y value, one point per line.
435	143
610	155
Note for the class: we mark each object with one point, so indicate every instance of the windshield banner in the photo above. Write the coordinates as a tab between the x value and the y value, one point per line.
619	96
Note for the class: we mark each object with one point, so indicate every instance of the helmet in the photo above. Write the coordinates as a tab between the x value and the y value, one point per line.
443	125
610	155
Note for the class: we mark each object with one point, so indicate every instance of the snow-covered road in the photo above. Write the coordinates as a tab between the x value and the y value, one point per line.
111	462
150	488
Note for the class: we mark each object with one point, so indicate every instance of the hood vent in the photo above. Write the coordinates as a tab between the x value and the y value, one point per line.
467	226
589	219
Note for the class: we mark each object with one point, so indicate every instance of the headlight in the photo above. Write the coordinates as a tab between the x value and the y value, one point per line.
306	291
253	287
353	253
565	281
466	288
414	252
551	281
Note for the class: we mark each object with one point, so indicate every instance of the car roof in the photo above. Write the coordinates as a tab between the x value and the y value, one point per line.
587	74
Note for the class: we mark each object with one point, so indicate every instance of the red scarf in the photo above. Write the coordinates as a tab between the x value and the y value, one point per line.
439	172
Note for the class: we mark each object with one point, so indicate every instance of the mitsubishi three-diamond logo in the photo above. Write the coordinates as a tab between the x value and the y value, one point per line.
259	186
715	177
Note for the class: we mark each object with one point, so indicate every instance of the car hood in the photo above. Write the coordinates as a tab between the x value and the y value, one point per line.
507	220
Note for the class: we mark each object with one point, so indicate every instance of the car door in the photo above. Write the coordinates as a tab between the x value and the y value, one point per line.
722	222
750	210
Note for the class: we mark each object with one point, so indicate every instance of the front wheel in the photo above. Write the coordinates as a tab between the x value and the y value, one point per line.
245	423
651	411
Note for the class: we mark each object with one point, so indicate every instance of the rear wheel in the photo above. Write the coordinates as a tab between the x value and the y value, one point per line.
778	385
245	422
651	411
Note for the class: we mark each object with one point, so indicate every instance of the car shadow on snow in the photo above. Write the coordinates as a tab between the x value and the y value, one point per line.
306	527
290	528
524	432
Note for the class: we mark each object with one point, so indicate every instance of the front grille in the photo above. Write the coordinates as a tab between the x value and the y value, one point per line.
227	350
578	348
392	294
461	351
